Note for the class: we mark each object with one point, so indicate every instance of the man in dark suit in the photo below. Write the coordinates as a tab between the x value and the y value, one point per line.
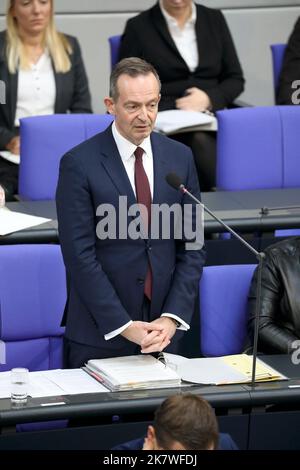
192	50
128	292
182	422
290	72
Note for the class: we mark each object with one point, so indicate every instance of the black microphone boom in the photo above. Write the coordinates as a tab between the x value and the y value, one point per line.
174	180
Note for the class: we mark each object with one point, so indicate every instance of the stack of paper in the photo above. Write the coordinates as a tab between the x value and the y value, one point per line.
132	372
178	120
11	221
54	383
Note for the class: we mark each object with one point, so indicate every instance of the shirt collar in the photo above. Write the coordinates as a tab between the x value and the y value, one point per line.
44	59
127	148
171	20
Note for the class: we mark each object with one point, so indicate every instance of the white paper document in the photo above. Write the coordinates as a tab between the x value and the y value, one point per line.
74	381
177	120
11	157
50	383
11	221
209	371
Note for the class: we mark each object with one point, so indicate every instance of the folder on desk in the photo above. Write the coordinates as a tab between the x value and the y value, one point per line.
224	370
147	372
132	373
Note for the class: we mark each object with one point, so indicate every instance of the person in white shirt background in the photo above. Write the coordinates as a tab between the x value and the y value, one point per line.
191	47
43	74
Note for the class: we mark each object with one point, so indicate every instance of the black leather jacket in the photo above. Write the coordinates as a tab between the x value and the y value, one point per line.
279	323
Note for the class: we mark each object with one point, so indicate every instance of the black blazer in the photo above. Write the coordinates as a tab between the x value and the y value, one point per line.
72	90
218	72
290	68
279	320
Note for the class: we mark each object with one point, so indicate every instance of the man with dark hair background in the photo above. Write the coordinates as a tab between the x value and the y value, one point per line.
182	422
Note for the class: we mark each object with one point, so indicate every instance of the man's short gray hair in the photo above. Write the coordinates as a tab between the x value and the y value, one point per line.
132	66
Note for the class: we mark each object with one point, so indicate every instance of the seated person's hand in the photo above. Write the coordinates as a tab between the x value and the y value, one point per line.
194	100
14	145
2	197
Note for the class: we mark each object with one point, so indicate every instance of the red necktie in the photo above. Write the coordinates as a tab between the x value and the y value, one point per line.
143	196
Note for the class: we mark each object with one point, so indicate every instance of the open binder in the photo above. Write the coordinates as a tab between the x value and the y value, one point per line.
146	372
132	373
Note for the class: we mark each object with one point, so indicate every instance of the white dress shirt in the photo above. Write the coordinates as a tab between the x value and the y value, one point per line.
126	150
36	89
185	38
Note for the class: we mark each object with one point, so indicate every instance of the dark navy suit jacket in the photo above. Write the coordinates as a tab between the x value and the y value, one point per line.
107	276
225	443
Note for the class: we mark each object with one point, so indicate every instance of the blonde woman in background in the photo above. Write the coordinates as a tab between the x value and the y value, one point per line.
43	73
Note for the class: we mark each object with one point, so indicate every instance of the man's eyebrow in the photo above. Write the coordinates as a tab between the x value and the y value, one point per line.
138	102
132	102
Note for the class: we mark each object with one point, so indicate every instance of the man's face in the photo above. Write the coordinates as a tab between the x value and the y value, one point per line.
136	107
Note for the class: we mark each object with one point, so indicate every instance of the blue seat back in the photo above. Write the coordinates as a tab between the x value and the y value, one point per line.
278	51
257	148
32	300
114	44
44	140
223	308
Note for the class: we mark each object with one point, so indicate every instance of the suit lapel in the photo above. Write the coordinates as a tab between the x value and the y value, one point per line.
202	36
160	25
112	164
160	170
59	90
114	167
11	83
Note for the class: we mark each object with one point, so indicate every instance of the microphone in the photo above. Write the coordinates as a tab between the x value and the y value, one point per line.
175	182
266	210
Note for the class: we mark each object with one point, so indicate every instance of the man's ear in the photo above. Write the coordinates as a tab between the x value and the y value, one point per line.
151	433
110	106
149	441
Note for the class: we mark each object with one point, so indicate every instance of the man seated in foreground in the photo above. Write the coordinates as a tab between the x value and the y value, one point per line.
182	422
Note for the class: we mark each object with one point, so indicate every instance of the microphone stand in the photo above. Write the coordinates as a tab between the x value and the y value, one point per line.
260	257
266	210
